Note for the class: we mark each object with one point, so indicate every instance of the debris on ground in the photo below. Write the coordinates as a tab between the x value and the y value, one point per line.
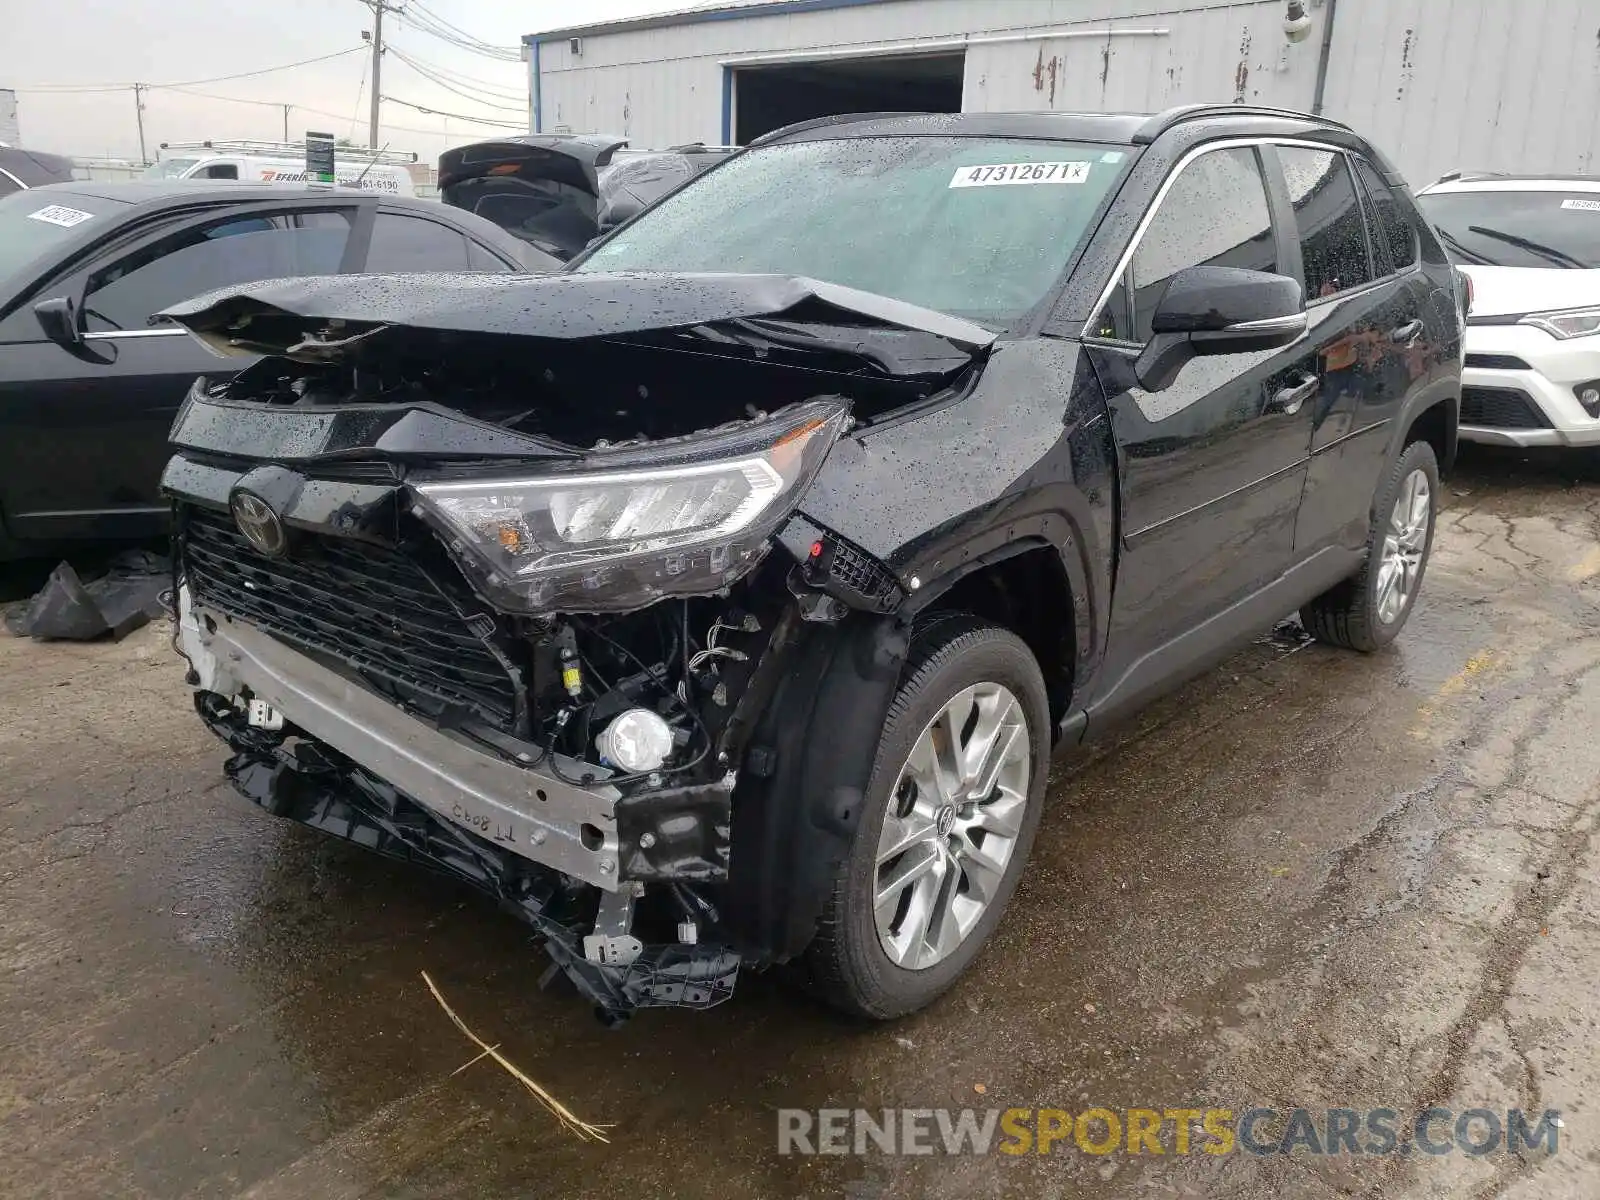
569	1119
122	597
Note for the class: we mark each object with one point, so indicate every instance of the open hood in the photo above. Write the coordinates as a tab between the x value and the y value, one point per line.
329	318
542	188
572	159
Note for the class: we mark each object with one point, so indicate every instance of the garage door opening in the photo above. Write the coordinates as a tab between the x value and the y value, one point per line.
769	97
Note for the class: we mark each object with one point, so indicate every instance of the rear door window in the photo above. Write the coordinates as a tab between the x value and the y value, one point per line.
479	259
1333	233
406	243
126	295
1394	231
1215	214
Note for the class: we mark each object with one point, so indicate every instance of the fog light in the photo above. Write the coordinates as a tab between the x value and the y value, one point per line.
636	740
1589	397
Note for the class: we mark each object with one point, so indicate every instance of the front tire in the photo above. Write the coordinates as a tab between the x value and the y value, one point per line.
952	807
1367	611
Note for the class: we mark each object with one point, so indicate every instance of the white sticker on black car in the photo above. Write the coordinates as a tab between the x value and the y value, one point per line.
1007	174
60	214
1582	205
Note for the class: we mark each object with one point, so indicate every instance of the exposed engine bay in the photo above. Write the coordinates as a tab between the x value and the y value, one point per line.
511	606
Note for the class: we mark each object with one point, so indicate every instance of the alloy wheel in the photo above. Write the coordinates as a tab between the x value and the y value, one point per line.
1404	544
951	825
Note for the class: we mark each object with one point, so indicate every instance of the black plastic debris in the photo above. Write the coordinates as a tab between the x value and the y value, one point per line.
113	604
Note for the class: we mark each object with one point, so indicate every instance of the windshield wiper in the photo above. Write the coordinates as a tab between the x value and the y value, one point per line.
1461	248
1537	248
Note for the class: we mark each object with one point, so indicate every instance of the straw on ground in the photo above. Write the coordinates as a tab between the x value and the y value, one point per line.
560	1111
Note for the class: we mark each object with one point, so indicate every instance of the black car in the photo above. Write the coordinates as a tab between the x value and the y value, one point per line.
90	377
21	169
721	598
558	191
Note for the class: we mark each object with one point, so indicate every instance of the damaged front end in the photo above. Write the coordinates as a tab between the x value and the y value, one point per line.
504	582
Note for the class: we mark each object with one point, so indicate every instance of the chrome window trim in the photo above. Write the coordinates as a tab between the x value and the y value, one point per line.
20	185
1126	258
117	335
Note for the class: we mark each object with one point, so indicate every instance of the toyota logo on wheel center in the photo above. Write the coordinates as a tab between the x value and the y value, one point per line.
261	526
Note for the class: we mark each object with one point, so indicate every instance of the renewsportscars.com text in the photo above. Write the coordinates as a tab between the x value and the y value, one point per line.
1180	1131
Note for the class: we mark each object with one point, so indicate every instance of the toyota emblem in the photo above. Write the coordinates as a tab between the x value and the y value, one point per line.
261	526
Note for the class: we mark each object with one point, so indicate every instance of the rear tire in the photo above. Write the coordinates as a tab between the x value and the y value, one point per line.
959	779
1369	609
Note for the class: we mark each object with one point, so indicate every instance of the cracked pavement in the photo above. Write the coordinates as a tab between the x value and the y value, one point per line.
1308	879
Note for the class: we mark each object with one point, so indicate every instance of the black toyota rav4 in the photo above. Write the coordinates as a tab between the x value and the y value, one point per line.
721	599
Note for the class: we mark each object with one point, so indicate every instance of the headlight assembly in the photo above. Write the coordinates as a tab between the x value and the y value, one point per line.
1577	322
684	517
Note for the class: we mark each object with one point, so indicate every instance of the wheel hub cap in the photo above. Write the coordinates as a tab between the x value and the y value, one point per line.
1405	542
951	826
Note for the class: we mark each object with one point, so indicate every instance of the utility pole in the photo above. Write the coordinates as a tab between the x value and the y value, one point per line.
286	109
378	8
138	115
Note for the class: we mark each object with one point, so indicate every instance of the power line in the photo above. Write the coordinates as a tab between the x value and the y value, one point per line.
439	81
318	112
426	21
124	87
498	90
456	116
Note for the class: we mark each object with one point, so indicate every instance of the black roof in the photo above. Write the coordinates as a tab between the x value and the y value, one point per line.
1123	128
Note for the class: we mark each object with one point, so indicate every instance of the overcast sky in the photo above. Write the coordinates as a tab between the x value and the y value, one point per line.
51	44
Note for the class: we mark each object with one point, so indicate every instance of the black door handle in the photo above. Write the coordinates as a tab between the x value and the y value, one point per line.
1406	334
1288	400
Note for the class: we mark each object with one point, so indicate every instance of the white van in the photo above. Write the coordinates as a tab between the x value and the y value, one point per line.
282	162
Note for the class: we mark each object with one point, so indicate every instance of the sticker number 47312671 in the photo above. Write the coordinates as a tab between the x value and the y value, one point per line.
1007	174
60	214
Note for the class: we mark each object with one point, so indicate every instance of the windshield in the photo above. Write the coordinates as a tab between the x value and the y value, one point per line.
169	168
32	222
1557	230
977	227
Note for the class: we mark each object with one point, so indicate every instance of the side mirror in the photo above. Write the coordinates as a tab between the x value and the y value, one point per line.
1219	310
58	317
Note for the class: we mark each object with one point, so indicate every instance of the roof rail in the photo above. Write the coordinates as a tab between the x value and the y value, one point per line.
290	149
1163	121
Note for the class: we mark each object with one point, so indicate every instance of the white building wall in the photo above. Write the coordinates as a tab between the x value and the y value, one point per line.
10	122
664	85
1490	85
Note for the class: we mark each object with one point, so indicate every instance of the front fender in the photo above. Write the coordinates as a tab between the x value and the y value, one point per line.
1025	456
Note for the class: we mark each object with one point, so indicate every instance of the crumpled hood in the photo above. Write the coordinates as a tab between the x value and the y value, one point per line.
279	316
1513	291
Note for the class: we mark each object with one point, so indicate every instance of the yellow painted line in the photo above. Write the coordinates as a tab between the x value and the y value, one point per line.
1586	567
1454	686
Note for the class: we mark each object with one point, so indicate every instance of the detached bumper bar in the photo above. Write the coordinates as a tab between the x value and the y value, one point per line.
525	810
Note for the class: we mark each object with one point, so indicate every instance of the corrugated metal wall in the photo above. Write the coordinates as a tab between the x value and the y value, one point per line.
1500	85
1223	53
664	85
1438	84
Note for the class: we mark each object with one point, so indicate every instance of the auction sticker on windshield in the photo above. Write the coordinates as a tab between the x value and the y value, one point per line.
1006	174
60	214
1582	205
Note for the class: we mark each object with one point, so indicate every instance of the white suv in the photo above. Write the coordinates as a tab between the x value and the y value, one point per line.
1531	248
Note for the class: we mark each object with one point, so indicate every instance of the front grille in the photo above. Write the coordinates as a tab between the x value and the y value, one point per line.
1501	408
1497	362
375	608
